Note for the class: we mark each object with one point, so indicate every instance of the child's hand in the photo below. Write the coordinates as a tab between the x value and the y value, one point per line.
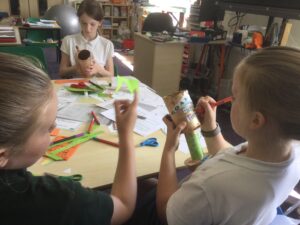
173	133
126	114
98	69
207	115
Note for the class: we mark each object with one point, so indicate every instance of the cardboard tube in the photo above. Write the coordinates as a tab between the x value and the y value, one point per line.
181	108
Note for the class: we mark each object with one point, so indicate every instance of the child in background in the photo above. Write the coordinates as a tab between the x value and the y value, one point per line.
28	106
90	16
246	183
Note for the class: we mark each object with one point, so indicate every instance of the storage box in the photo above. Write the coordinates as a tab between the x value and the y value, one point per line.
128	44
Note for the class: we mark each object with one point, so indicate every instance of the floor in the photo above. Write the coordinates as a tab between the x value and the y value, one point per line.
223	113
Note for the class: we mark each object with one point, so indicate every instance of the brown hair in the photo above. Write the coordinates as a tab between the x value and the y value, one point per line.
271	80
24	90
92	8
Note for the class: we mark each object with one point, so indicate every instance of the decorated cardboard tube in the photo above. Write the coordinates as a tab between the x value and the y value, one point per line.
181	108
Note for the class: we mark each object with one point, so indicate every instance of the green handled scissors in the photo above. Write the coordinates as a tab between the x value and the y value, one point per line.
74	177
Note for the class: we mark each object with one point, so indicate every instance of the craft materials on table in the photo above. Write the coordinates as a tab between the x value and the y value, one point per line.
107	142
64	150
78	110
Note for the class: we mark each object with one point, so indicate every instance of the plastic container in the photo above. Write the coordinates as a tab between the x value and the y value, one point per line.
128	44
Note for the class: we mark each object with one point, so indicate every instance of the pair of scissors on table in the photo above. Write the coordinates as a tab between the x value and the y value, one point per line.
152	142
74	177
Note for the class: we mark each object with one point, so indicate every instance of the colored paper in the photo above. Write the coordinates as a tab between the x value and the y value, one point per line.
132	84
55	132
66	154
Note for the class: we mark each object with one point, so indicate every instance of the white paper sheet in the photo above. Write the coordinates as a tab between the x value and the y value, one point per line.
67	124
143	127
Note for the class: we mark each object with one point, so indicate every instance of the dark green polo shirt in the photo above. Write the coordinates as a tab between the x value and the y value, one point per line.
27	199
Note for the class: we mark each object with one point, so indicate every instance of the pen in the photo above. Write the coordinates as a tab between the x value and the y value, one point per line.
95	117
201	110
222	101
106	142
67	138
141	117
91	125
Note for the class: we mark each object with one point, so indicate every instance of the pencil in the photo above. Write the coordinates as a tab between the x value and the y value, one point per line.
93	83
91	125
201	110
67	138
107	142
141	117
95	117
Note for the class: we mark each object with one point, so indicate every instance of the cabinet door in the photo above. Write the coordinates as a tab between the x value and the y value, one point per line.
28	8
4	6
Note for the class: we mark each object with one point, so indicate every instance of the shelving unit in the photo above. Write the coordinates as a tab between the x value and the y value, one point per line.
114	15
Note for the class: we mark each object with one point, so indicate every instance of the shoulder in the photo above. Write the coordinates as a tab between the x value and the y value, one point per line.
72	38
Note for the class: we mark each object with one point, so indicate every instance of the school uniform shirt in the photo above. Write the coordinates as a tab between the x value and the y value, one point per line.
36	200
231	189
101	48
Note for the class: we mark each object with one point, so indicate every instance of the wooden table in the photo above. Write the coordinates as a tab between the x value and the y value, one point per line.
97	161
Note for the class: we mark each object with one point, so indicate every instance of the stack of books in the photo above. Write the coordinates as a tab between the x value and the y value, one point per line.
7	34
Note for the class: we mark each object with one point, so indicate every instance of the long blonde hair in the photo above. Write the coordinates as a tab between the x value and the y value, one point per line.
24	90
271	80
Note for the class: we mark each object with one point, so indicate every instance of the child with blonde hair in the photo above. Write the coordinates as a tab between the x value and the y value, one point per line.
241	184
28	106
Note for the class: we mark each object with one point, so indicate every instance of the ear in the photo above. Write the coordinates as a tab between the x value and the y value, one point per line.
3	158
258	120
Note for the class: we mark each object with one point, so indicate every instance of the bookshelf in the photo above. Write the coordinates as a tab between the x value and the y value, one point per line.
114	15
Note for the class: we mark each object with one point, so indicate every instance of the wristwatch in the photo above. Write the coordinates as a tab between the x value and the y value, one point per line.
211	133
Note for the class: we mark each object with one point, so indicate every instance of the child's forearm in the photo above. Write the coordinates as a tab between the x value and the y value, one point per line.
216	143
67	71
105	73
125	177
167	182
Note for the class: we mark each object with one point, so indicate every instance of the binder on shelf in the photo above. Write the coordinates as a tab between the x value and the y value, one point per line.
7	34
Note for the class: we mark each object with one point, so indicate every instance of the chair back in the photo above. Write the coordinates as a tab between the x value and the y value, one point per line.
35	53
158	22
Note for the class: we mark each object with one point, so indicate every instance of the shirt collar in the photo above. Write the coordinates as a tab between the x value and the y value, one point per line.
91	43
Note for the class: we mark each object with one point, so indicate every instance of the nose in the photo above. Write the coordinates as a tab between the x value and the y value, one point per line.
88	28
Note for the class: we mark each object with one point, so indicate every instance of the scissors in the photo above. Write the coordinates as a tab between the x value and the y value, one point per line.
152	142
74	177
